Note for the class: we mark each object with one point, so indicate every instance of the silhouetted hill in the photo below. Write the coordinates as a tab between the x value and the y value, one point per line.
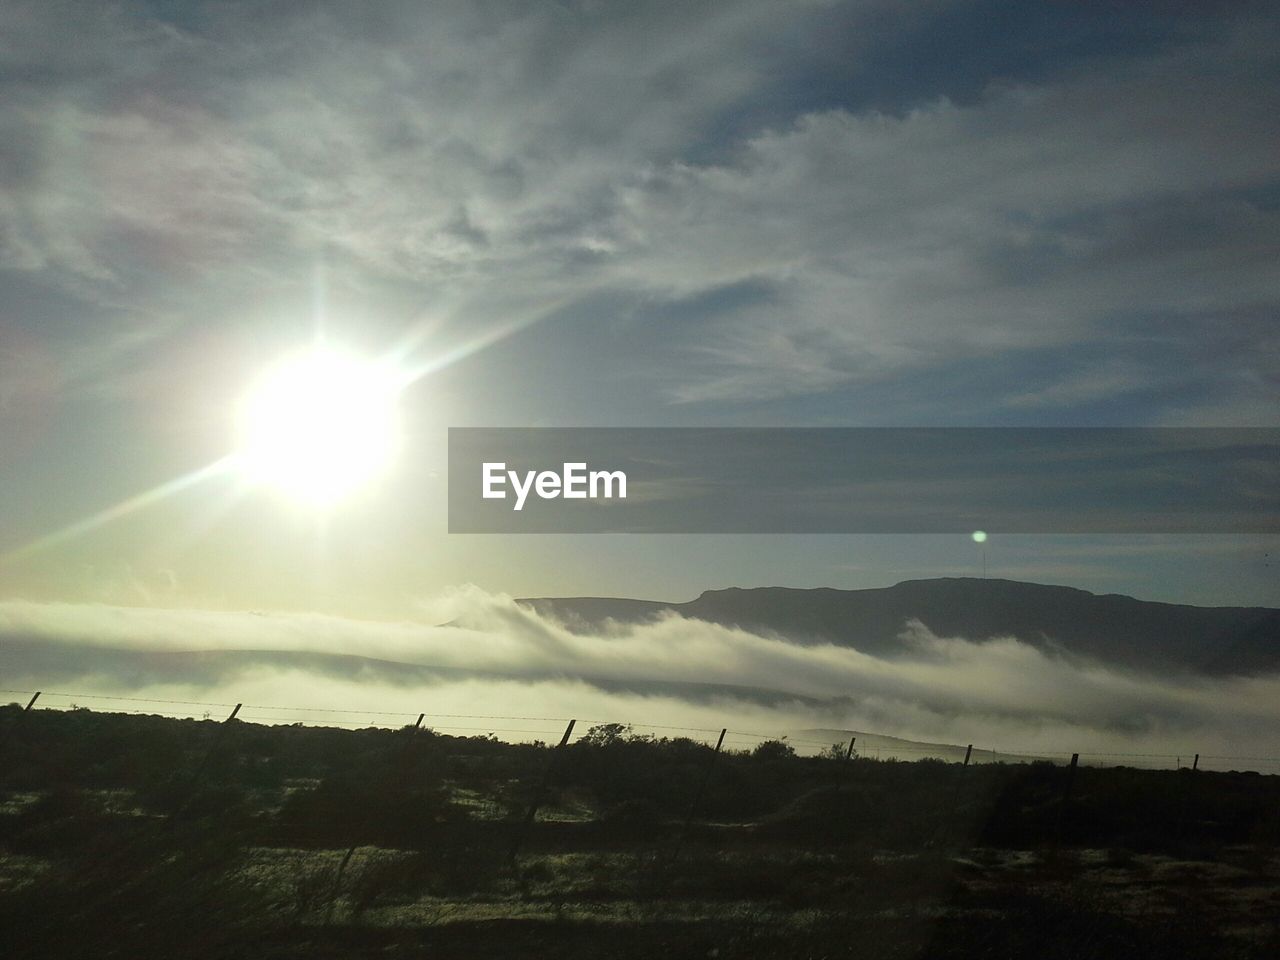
1111	628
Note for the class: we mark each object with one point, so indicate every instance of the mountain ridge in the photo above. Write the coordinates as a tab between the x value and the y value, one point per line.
1112	628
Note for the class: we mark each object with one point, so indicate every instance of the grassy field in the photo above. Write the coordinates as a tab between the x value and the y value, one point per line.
129	835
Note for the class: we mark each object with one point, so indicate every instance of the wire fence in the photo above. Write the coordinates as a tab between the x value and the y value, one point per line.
866	746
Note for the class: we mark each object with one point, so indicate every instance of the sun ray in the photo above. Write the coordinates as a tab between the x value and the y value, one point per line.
122	509
411	373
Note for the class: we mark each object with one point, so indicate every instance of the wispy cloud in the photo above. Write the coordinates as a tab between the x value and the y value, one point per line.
571	149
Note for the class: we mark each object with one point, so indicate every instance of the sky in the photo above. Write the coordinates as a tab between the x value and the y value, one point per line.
613	214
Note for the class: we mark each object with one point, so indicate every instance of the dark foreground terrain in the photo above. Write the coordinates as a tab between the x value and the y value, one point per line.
145	836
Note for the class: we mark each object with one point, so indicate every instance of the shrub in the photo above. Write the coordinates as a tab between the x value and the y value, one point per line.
773	750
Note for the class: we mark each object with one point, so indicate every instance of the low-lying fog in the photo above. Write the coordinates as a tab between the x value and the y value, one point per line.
497	661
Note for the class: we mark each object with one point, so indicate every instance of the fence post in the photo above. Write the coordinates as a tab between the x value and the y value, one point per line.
407	752
193	781
539	794
958	782
697	797
1066	792
351	850
848	756
1195	764
1071	775
34	697
213	743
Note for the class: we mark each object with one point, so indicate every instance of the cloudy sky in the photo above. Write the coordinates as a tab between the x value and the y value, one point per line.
613	214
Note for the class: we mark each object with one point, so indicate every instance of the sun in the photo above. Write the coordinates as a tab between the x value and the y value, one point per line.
319	425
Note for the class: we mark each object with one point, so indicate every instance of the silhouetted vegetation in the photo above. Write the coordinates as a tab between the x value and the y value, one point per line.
145	836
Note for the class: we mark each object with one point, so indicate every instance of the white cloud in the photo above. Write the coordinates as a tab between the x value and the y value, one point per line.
501	659
1035	218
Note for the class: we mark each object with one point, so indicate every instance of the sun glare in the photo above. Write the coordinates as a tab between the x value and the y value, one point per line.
318	426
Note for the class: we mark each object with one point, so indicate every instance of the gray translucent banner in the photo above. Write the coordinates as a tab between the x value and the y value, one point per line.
864	480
